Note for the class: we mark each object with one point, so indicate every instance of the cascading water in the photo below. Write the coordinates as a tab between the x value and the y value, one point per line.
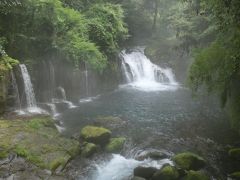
142	74
121	168
29	92
86	78
15	87
64	98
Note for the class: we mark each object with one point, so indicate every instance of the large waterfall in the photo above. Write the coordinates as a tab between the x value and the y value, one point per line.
141	73
29	92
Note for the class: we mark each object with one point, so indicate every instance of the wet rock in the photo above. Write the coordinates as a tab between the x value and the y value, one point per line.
234	153
88	149
153	154
166	173
115	145
189	161
144	172
138	178
110	122
235	175
96	135
196	175
37	140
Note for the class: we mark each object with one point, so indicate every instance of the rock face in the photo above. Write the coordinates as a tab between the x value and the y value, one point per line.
88	149
166	173
234	153
115	145
189	161
144	172
38	141
96	135
153	154
195	175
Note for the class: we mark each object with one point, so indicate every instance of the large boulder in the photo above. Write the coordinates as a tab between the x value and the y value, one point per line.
166	173
96	135
189	161
196	175
144	172
115	145
88	149
234	153
37	140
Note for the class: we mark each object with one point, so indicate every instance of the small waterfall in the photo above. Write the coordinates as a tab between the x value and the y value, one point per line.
64	98
141	73
86	79
29	92
63	93
16	91
52	79
53	109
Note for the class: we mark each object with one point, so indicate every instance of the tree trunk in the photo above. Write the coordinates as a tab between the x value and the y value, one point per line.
155	16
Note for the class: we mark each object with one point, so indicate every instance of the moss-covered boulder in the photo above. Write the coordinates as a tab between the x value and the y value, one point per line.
38	141
196	175
189	161
235	175
144	172
234	153
96	135
88	149
115	145
166	173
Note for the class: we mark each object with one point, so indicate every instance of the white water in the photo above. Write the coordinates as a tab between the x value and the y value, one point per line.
29	92
15	87
64	98
142	74
53	110
120	168
86	79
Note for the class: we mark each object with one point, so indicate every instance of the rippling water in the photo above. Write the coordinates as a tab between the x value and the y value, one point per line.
169	120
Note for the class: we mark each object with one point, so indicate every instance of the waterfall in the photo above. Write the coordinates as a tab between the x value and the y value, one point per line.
142	74
52	79
53	109
29	92
16	91
63	93
86	78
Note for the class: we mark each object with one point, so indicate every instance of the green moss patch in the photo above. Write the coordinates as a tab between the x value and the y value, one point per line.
196	175
115	145
96	135
189	161
38	141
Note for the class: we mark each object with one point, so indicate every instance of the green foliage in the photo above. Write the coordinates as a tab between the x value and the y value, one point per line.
37	29
106	26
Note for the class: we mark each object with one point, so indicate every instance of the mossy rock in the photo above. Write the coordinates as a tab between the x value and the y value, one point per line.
196	175
166	173
235	175
189	161
234	153
115	145
144	172
38	141
96	135
88	149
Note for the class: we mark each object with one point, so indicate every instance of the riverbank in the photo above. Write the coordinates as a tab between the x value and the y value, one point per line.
32	147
